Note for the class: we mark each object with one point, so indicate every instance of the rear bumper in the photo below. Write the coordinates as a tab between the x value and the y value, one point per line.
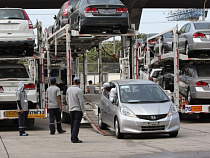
105	21
200	45
200	93
28	43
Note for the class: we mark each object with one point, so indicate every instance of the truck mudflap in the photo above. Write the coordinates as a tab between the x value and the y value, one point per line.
13	114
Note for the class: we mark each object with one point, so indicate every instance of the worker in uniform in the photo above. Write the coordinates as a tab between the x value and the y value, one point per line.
107	89
22	108
75	100
55	106
91	87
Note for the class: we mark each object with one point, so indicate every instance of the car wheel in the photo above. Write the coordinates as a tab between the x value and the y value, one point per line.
100	122
65	117
80	27
189	97
187	51
117	130
123	30
29	52
173	134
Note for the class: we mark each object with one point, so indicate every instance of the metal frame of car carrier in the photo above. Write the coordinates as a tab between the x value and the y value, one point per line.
177	59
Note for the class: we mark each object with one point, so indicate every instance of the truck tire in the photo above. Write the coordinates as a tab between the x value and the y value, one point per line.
30	122
65	117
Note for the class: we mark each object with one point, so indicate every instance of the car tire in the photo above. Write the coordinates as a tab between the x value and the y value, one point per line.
30	122
189	97
118	134
100	122
65	117
123	30
29	52
80	27
173	134
187	51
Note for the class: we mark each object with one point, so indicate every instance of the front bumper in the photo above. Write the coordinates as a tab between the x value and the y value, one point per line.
137	126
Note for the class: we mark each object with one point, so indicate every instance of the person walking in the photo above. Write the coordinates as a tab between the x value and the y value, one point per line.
55	107
91	87
22	108
75	100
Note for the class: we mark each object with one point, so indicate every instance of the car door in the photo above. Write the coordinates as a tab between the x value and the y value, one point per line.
112	106
103	106
182	39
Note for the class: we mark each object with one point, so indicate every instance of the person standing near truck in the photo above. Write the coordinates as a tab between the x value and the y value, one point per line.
75	100
55	107
22	108
91	87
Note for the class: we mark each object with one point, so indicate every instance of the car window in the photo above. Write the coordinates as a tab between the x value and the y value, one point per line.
187	28
169	35
12	14
203	72
73	3
202	26
103	2
13	73
142	93
182	30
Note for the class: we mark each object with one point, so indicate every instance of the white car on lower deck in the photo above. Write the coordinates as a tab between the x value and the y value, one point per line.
10	76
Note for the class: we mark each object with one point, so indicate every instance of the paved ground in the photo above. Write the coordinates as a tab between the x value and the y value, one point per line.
193	141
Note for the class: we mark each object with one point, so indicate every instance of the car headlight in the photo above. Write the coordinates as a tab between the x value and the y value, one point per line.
127	112
172	110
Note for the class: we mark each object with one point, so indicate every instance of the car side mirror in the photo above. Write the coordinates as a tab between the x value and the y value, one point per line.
55	17
170	97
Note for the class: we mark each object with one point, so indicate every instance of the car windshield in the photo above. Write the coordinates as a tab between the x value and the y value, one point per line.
142	93
104	2
203	72
13	73
12	14
199	26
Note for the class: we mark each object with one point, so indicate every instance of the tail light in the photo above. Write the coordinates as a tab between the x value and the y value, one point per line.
90	10
65	12
122	10
29	21
201	84
1	89
151	78
199	35
30	86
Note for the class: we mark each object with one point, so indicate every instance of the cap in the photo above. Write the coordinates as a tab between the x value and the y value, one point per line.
74	54
76	79
52	80
106	84
90	81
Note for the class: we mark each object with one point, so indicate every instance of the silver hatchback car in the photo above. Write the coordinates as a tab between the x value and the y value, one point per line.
137	106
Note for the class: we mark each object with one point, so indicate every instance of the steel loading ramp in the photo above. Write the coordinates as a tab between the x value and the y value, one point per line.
91	106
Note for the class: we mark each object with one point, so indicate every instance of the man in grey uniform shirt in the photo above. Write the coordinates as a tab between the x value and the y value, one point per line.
55	107
91	87
75	100
22	107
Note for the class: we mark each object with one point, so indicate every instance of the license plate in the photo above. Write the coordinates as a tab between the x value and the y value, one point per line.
196	108
151	124
34	113
11	114
107	11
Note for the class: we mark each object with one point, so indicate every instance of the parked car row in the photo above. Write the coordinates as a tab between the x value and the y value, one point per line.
194	40
93	16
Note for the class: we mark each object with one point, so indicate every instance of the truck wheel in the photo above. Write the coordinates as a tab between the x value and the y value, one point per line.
30	122
65	117
118	134
100	122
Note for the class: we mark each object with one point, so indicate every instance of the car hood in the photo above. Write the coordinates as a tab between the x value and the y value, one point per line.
149	108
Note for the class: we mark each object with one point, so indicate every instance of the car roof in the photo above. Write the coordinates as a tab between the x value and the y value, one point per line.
132	81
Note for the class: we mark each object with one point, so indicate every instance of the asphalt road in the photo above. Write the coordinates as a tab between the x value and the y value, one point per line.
193	141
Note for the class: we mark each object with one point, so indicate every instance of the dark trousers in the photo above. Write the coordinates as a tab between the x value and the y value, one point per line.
22	121
55	113
76	117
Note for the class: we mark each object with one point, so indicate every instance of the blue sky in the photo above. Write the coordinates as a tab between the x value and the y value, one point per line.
152	20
